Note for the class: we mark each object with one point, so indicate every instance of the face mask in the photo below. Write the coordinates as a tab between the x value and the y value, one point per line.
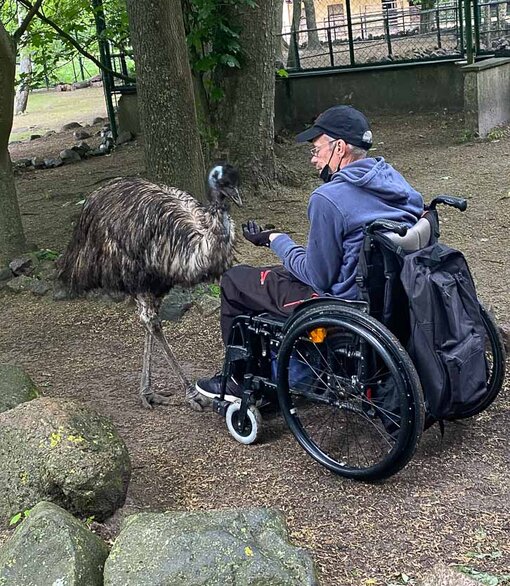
326	171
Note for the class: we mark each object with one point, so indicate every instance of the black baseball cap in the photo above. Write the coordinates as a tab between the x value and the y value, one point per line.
343	122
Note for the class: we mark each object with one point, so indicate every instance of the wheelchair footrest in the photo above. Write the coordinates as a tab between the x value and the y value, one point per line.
220	407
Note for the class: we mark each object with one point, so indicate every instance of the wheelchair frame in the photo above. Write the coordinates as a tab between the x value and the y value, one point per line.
255	342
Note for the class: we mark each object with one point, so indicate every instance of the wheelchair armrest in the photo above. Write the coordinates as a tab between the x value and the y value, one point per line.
386	225
457	202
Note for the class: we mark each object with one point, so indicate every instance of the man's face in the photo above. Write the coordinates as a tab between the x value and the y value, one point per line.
323	147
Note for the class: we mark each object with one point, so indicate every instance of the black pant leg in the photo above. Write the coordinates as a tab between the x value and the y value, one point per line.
251	290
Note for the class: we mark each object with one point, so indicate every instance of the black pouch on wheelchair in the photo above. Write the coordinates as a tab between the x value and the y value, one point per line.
447	342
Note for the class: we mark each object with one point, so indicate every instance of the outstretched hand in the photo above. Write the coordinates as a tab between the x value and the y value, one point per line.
255	234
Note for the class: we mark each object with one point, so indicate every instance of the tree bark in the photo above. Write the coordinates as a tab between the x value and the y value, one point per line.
25	69
245	116
280	43
166	103
292	59
12	238
311	24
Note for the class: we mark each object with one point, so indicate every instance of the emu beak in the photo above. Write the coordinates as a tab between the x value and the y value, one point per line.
233	193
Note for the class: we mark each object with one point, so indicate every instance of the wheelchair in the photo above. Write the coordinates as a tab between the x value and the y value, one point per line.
338	370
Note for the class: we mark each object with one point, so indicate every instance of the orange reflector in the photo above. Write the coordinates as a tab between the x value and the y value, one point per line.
318	335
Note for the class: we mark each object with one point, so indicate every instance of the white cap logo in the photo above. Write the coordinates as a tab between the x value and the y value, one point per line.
367	136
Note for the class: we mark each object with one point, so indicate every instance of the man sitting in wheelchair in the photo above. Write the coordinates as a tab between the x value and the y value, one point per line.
357	190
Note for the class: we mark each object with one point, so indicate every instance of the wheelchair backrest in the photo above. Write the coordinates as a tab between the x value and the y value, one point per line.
379	268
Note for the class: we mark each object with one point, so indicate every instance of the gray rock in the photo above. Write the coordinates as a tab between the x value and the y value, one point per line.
60	451
175	304
37	163
71	126
95	153
34	136
208	304
52	548
23	265
81	148
69	156
79	85
16	387
53	163
20	283
6	274
124	136
217	548
50	133
98	120
23	163
81	134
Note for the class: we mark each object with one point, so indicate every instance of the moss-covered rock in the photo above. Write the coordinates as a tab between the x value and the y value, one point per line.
52	547
16	387
217	548
62	452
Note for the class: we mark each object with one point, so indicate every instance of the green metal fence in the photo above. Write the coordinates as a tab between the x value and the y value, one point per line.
455	29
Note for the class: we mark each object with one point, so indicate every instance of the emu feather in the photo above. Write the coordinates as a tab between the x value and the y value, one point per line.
142	239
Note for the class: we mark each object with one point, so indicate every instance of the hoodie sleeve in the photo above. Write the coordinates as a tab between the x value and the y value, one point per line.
317	265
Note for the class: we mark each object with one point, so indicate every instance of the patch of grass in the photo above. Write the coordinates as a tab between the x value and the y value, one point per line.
50	110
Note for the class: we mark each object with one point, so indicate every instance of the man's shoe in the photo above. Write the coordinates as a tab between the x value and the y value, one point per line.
211	387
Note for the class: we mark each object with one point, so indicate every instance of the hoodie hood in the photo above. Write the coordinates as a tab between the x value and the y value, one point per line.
376	176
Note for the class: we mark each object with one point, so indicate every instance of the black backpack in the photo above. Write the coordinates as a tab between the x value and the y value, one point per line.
447	335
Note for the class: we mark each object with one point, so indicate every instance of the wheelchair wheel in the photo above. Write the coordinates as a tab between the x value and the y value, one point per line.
495	358
251	430
349	393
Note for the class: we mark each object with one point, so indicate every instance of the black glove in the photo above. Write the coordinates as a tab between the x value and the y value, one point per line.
255	234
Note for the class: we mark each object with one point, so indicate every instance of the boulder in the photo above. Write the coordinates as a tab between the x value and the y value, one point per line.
175	304
31	284
207	304
5	274
124	136
217	548
69	156
51	163
71	126
37	163
99	119
81	148
52	548
60	451
16	387
34	136
22	265
81	134
23	163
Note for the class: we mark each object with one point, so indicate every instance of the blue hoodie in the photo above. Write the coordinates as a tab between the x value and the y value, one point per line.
361	192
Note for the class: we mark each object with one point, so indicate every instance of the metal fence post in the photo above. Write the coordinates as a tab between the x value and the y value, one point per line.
476	17
295	44
469	32
460	20
330	45
387	31
349	31
438	27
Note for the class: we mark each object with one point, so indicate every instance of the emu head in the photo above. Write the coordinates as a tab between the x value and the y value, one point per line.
223	182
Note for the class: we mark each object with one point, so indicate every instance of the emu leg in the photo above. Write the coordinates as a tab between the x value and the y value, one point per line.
148	307
147	396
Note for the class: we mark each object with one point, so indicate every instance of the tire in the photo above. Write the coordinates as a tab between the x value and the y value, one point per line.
335	398
252	428
496	364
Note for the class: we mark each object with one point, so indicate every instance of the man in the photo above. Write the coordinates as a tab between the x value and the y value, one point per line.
357	190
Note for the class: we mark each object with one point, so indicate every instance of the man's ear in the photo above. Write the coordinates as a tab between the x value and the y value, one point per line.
341	145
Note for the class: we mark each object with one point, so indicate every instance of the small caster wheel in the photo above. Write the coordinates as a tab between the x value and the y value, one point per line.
252	426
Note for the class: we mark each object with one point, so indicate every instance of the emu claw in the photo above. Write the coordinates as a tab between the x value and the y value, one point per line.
150	400
196	401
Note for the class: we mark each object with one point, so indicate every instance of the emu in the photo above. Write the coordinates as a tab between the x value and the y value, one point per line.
142	239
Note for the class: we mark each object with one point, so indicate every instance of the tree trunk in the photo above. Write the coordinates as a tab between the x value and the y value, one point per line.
311	24
25	70
173	153
293	58
279	51
245	116
12	238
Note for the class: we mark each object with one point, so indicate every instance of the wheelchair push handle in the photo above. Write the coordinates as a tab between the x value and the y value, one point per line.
457	202
388	226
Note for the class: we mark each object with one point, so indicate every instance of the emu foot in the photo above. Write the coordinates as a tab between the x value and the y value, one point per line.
150	399
196	400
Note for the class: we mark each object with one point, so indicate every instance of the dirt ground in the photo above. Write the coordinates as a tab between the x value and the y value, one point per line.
449	505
